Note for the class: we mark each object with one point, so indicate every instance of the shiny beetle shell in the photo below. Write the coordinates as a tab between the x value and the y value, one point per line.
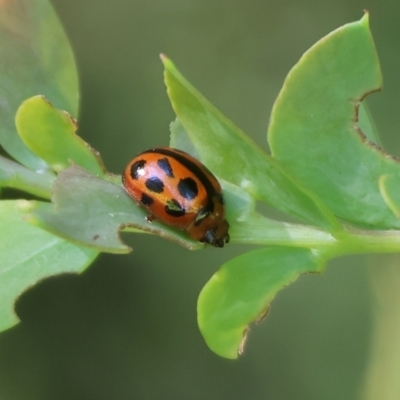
180	191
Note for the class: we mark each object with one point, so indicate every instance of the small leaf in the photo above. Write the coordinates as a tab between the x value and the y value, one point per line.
240	293
233	156
36	58
91	211
29	254
50	133
314	132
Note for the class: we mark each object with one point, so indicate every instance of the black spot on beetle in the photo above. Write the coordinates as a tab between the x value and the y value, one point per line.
164	164
187	188
198	170
136	167
146	200
174	209
155	184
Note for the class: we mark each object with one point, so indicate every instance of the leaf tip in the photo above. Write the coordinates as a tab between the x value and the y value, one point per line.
167	62
365	17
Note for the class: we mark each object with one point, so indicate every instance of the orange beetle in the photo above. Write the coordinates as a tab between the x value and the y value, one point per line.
180	191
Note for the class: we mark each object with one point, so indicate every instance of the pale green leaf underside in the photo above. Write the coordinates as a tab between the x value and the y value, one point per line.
91	211
29	254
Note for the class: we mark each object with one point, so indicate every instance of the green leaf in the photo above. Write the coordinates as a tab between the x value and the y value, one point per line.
91	211
179	139
314	133
366	124
29	254
239	205
240	293
50	133
246	225
233	156
390	189
36	58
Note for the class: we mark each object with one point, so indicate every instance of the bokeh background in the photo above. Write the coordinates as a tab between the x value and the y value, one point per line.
126	328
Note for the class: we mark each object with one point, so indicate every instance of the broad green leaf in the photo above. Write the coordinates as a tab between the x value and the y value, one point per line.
29	254
314	133
16	176
233	156
91	211
50	133
240	293
36	58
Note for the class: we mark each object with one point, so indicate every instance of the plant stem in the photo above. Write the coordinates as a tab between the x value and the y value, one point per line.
259	230
16	176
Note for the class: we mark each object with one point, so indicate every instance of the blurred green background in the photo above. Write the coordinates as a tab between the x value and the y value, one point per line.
126	328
